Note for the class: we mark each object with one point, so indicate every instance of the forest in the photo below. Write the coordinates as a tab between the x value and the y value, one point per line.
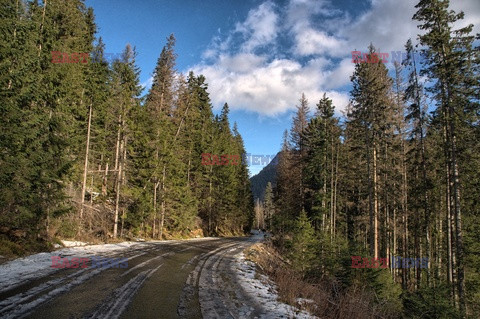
397	176
85	155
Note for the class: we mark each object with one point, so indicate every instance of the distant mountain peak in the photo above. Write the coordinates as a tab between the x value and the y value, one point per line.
259	182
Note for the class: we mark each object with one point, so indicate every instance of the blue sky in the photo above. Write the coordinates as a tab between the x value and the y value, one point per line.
260	56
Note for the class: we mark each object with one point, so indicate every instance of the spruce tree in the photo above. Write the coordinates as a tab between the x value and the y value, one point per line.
269	206
303	244
449	64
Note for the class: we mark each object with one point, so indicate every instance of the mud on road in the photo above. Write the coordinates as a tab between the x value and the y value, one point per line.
178	279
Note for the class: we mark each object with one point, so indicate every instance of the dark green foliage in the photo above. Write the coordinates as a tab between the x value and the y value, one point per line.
303	245
388	180
429	302
38	99
140	159
269	206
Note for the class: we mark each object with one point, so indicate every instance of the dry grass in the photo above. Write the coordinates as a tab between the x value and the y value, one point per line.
323	298
96	227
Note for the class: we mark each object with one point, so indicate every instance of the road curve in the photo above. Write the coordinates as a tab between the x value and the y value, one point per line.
179	279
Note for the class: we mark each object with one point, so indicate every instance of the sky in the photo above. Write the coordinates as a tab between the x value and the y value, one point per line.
260	56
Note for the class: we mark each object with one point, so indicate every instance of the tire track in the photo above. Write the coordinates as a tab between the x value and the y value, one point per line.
211	298
122	296
219	293
197	288
22	304
189	305
19	305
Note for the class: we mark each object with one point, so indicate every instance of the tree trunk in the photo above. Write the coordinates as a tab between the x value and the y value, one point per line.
331	190
375	200
117	200
210	188
104	182
155	186
428	250
162	216
41	26
85	165
448	207
371	233
118	164
458	216
324	191
405	217
335	192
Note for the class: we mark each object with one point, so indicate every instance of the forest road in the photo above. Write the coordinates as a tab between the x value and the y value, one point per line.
179	279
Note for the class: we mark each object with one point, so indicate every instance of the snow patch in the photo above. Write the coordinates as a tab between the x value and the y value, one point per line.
68	243
21	270
264	291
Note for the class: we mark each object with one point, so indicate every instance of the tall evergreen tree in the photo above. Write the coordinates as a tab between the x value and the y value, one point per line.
448	65
269	205
371	97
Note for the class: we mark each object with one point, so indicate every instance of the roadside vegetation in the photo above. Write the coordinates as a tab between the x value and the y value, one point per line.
85	155
397	175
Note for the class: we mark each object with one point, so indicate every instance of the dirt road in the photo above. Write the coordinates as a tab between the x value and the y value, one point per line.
180	279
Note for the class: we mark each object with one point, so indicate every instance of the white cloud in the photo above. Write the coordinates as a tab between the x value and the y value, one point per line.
270	89
340	76
241	63
244	68
310	42
308	39
148	83
471	8
388	25
260	27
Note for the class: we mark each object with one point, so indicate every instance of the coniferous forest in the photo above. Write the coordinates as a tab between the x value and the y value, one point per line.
83	153
86	154
396	176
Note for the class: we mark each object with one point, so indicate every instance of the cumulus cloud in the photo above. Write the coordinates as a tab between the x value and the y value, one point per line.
269	88
278	52
260	27
313	42
388	25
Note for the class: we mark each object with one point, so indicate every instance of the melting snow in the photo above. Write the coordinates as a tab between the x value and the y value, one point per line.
264	291
21	270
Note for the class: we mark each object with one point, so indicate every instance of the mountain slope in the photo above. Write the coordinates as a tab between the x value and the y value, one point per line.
259	182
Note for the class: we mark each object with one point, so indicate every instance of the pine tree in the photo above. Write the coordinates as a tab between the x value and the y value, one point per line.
49	96
448	64
371	97
300	122
303	244
269	206
244	200
321	140
126	94
285	195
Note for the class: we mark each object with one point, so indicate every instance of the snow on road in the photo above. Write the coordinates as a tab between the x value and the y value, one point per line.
263	290
21	270
257	287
